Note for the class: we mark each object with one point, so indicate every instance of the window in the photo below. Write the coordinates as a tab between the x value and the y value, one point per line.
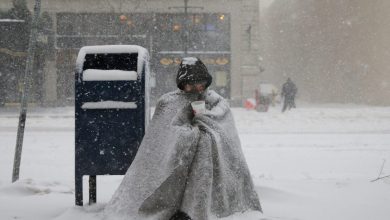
206	32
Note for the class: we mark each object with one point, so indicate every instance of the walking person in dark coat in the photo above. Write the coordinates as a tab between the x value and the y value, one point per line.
289	90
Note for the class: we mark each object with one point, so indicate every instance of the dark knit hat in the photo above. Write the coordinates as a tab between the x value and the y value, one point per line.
191	71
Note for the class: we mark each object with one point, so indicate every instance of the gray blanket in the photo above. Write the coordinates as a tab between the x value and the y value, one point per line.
187	163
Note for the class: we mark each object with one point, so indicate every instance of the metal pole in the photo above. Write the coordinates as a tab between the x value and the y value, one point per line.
92	189
25	90
185	28
185	25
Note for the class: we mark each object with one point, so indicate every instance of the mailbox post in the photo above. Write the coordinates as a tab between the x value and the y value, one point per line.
111	111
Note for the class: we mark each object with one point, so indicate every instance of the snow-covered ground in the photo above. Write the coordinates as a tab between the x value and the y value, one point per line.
314	163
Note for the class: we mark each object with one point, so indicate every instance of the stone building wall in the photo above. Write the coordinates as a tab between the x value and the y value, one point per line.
244	32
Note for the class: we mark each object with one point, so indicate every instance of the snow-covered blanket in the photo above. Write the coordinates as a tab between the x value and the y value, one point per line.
190	163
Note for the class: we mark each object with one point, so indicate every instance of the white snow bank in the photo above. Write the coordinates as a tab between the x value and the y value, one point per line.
30	200
109	105
314	119
28	187
249	215
311	163
325	200
108	75
85	213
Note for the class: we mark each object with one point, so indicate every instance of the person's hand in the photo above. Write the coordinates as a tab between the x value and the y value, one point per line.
183	117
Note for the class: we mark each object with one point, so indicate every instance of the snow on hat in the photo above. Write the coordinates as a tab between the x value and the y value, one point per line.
191	71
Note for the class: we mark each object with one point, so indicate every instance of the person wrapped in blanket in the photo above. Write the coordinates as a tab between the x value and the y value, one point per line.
188	166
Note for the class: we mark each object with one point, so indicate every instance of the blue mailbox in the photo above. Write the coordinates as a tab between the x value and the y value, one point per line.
111	111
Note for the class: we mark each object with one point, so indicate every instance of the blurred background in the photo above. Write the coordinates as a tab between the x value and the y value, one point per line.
335	51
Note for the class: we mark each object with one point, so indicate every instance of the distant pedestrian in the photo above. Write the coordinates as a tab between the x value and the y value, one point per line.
289	90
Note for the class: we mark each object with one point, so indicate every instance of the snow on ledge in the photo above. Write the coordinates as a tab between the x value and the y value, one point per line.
109	105
108	75
12	20
143	55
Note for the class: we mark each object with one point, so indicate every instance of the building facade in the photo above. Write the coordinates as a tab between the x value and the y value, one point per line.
335	51
223	33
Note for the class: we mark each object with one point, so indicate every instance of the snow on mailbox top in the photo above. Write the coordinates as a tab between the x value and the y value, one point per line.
113	75
143	55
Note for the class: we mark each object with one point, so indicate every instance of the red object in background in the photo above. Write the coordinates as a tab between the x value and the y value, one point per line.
259	103
250	104
122	18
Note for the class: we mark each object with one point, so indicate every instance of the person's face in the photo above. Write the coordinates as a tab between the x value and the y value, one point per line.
195	88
